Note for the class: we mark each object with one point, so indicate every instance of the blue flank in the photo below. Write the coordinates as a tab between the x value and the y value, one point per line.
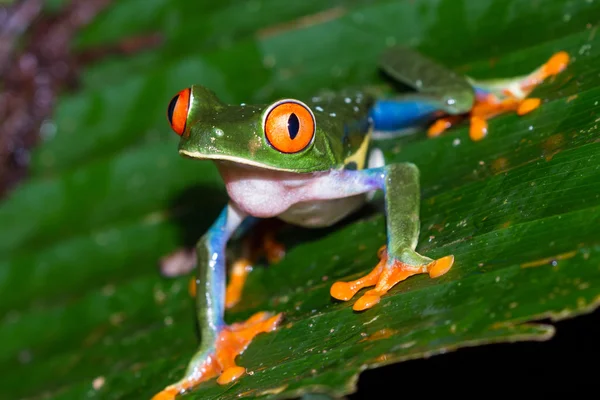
398	114
481	92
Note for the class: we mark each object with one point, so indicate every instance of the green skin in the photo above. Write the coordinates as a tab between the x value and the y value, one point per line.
332	172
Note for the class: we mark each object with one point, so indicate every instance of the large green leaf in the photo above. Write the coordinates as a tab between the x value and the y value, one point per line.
79	242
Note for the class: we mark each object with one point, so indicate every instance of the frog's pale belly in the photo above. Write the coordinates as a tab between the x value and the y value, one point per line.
321	213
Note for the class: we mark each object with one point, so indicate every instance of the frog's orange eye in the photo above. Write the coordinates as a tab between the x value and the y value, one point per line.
289	126
178	111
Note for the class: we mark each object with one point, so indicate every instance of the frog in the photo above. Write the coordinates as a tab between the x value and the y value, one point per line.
310	162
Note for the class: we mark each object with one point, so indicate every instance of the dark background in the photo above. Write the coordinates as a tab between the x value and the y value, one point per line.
566	364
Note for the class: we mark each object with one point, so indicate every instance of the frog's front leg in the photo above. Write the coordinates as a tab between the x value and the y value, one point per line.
220	344
398	259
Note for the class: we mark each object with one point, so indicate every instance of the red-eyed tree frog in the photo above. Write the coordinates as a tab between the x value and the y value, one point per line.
308	162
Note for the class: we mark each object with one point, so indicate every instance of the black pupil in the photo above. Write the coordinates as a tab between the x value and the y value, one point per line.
293	126
172	105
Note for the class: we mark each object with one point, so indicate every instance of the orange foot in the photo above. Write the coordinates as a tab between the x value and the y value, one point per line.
385	276
231	342
499	97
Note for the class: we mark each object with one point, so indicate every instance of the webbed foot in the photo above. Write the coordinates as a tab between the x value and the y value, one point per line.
501	96
219	359
388	272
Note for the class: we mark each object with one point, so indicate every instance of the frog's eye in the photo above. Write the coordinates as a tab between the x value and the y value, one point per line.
178	111
289	126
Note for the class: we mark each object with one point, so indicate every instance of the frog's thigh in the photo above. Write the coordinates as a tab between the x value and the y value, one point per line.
436	85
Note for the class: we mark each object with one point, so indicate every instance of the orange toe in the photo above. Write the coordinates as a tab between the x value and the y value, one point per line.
557	63
343	290
346	290
438	127
440	266
167	394
442	124
478	129
366	301
528	105
230	375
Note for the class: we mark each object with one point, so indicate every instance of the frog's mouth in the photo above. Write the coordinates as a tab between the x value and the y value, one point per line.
231	160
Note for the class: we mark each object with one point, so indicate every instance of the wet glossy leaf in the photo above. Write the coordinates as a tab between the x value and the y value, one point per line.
83	302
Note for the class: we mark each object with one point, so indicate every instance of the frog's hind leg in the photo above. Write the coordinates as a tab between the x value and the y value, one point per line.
499	96
398	259
438	91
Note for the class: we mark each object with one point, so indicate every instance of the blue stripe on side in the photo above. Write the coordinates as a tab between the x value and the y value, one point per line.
481	93
393	115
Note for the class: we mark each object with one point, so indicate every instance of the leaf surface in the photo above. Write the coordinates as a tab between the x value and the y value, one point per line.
79	242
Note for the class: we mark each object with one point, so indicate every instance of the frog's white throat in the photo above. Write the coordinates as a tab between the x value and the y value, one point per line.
307	199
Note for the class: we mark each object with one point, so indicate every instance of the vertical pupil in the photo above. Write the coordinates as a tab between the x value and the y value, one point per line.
171	109
293	125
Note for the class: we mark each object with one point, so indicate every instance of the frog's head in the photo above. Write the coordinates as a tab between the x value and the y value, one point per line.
282	136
